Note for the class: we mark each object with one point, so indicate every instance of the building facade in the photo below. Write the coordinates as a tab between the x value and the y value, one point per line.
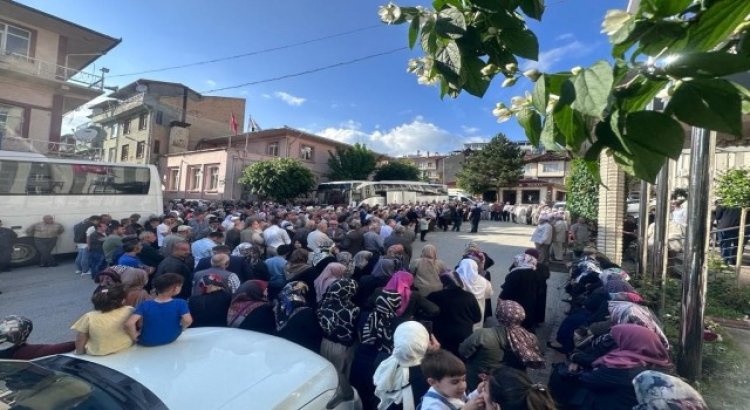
430	166
41	77
543	180
148	118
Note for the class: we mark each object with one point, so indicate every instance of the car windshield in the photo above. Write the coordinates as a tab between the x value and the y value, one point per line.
61	382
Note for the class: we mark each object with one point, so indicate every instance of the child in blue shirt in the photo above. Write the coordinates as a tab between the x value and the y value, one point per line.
446	375
163	318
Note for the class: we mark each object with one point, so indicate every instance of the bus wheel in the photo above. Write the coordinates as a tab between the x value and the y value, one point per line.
24	252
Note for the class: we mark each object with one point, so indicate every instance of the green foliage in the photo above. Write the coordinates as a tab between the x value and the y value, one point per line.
583	191
282	179
500	163
667	48
733	187
397	171
351	163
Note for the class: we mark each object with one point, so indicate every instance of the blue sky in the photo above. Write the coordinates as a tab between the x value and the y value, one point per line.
374	102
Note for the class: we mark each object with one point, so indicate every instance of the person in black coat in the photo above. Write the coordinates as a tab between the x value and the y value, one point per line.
250	309
209	308
295	320
179	263
458	313
521	285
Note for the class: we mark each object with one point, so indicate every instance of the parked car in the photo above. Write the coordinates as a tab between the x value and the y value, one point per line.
559	206
206	368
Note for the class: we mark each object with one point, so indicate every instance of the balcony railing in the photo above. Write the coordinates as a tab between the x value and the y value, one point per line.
49	71
52	149
120	107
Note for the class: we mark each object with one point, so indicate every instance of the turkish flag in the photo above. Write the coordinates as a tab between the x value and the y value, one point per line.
233	123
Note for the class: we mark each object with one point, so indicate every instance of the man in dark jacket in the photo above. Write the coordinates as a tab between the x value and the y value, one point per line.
398	237
237	264
7	237
728	226
149	255
180	263
475	215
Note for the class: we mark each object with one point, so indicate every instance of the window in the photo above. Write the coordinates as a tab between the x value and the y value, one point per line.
194	178
273	149
551	167
143	121
212	178
44	178
11	121
157	146
111	155
14	40
173	179
126	127
159	117
125	152
306	152
140	149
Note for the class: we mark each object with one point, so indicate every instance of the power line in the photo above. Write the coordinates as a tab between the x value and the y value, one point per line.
251	53
310	71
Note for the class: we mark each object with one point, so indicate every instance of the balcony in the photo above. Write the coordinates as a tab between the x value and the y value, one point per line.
49	71
121	107
54	149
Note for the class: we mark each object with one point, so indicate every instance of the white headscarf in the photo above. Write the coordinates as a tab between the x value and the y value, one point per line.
391	379
468	272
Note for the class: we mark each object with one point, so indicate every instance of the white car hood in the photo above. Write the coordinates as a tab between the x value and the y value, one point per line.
220	368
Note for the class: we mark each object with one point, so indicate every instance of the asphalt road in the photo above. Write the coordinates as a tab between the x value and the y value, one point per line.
56	297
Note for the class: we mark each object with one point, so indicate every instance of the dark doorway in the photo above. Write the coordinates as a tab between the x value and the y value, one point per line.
509	197
530	196
489	196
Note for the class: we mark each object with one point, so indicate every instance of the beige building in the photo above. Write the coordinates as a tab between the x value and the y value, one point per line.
430	166
41	58
212	169
148	118
543	180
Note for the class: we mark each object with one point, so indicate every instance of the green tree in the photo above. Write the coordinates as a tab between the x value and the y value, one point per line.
351	163
583	191
397	171
733	187
500	163
680	49
282	179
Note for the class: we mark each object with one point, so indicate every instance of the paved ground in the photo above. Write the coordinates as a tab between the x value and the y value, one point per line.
55	297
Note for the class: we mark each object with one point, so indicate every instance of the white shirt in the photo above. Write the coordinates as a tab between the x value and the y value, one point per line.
161	231
275	237
679	215
542	235
385	231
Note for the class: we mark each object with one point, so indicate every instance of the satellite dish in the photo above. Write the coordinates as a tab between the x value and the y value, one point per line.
86	134
141	88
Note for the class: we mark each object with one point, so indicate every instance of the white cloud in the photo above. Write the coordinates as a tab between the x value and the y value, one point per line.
408	138
469	130
289	99
79	116
211	83
565	37
547	59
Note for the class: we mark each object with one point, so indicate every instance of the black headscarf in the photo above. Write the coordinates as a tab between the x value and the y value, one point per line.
337	314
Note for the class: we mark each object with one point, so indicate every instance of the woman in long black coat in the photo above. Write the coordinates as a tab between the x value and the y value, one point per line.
522	286
459	311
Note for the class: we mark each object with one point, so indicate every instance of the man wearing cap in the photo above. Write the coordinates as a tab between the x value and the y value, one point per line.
164	229
542	238
7	237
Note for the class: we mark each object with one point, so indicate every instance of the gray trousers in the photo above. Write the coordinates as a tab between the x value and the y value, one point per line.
45	246
543	252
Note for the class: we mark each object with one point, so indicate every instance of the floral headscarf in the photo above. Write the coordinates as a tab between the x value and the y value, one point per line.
248	251
627	312
659	391
523	343
346	259
250	296
636	346
289	302
524	261
15	329
337	314
378	330
401	283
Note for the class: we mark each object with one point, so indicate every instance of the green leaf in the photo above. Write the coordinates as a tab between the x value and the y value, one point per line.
533	8
429	38
571	125
713	104
664	38
473	81
448	62
539	94
643	164
450	23
522	43
413	31
592	154
593	87
531	122
548	134
716	23
710	64
655	132
555	82
640	94
664	8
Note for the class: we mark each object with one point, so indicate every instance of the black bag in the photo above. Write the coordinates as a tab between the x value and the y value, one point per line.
79	232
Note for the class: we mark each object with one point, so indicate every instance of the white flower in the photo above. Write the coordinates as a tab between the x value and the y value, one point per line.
576	70
502	114
509	82
553	99
499	106
489	70
532	74
414	65
426	80
390	13
517	102
614	20
511	68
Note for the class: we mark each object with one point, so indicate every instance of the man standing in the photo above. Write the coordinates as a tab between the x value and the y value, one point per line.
219	265
457	213
81	238
542	238
94	242
113	240
318	237
475	215
274	237
580	233
149	255
727	224
45	236
372	241
178	262
398	237
559	238
202	247
164	229
7	237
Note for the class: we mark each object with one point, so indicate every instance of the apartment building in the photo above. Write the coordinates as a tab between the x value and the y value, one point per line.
430	166
148	118
543	180
41	61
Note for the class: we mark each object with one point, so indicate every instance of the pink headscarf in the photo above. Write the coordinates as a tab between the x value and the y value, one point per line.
401	283
332	272
636	346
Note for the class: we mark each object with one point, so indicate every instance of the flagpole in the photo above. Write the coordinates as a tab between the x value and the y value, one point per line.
250	127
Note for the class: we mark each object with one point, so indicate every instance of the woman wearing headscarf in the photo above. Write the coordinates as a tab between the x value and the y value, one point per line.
521	285
346	259
632	313
210	306
254	266
337	317
333	272
399	382
134	281
542	274
295	321
459	311
364	262
471	281
297	263
381	274
609	385
413	305
250	309
658	391
427	270
506	344
15	330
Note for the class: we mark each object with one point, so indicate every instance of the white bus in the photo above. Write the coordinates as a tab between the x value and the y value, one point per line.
32	185
380	192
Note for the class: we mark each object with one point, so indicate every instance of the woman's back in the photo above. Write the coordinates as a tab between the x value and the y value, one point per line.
458	313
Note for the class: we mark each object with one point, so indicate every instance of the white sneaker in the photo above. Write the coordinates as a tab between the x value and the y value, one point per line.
86	273
79	272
